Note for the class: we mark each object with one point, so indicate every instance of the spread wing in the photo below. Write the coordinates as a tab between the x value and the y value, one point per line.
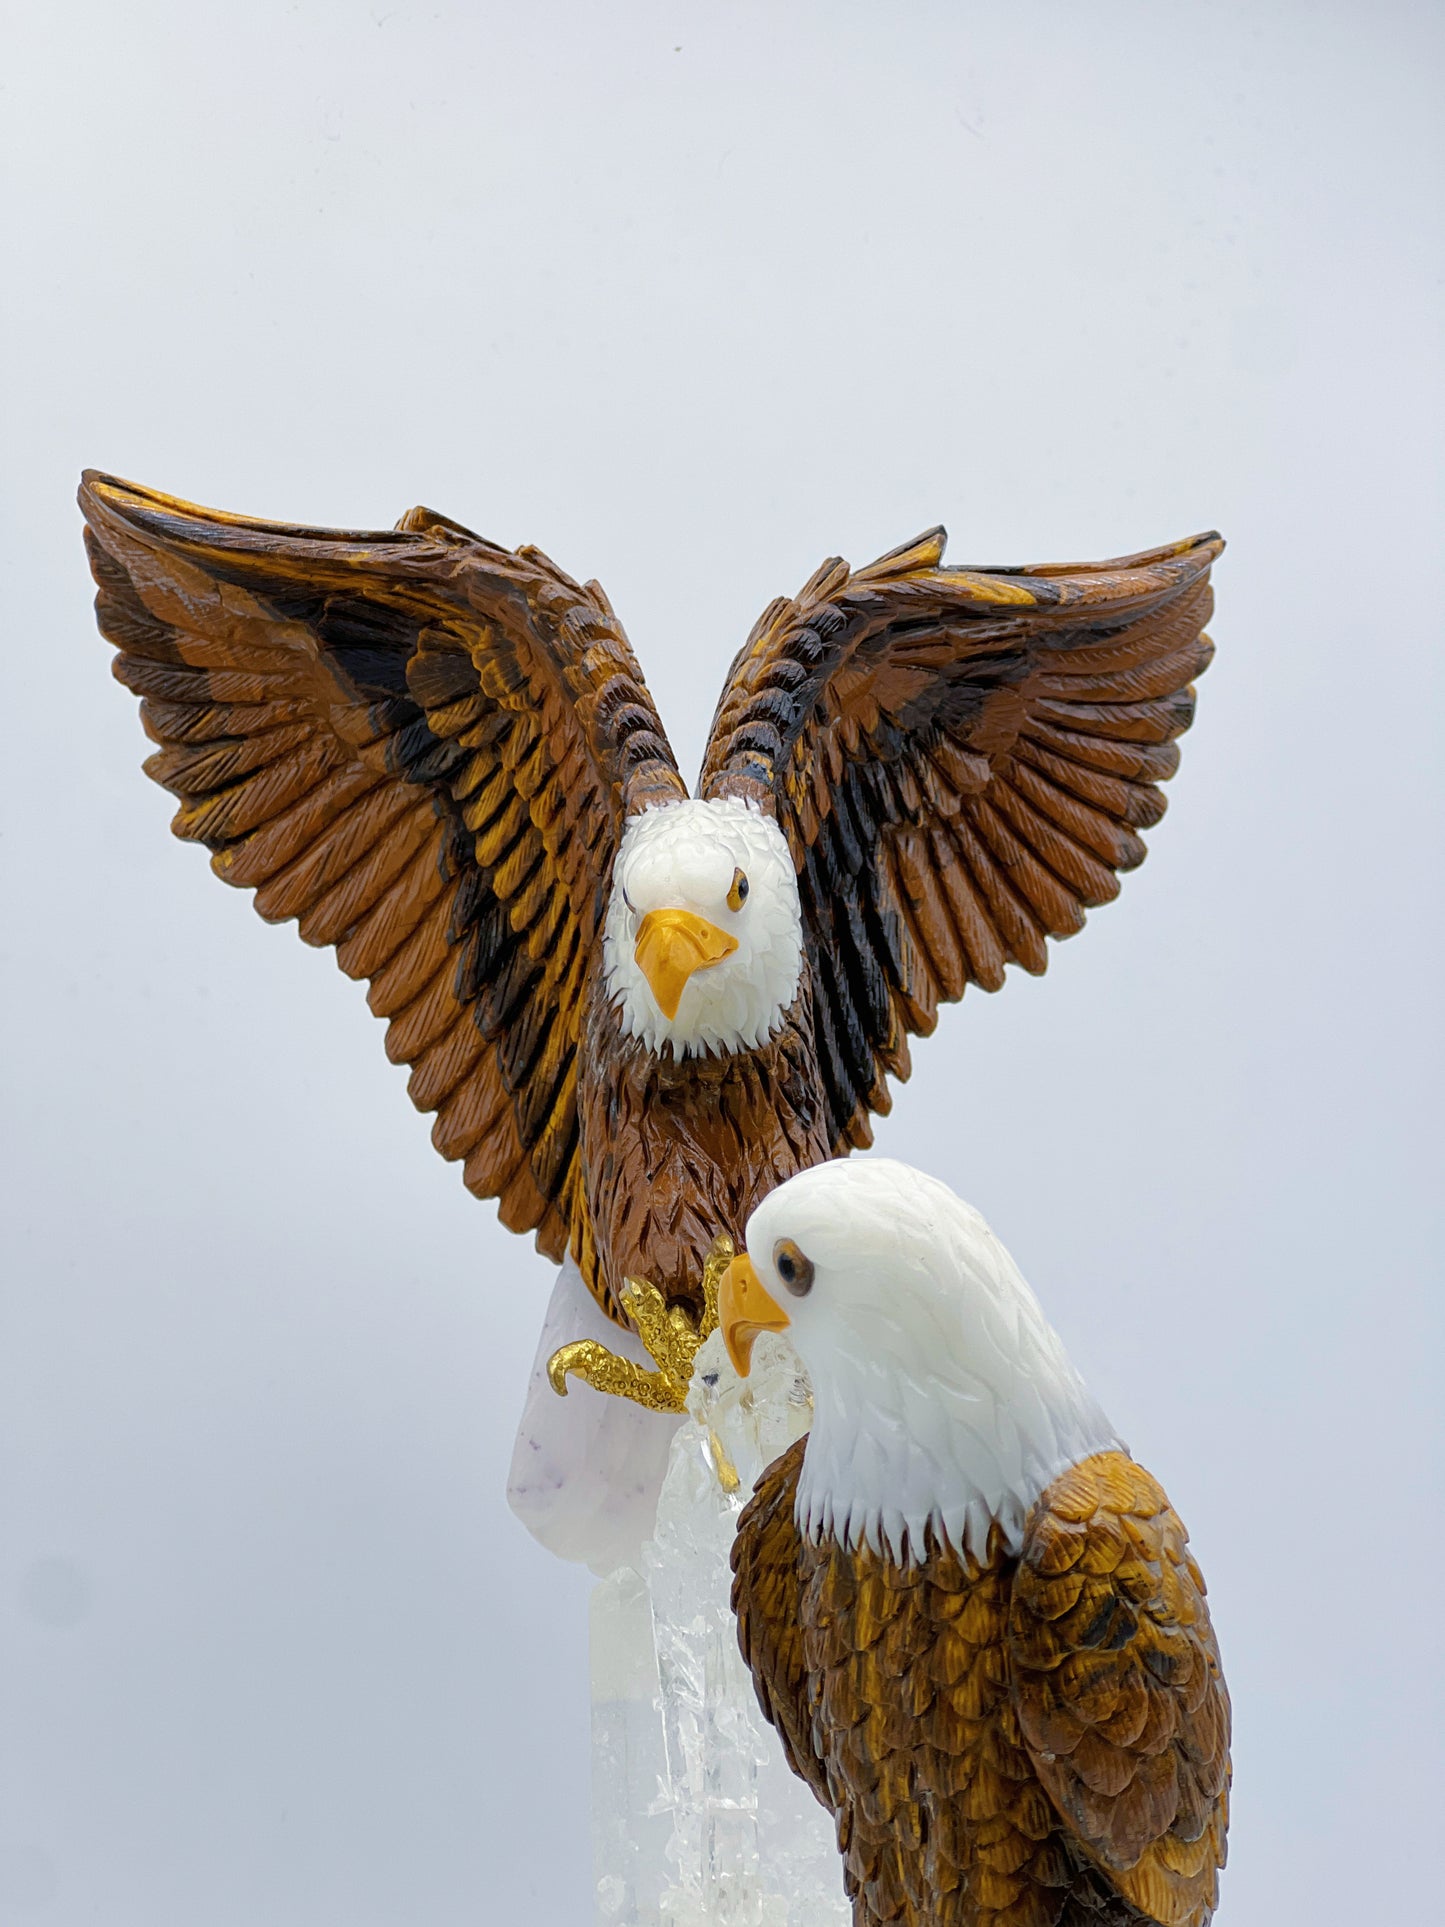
962	761
767	1599
422	747
1117	1685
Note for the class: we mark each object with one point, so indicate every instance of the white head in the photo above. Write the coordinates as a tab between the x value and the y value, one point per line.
942	1394
703	942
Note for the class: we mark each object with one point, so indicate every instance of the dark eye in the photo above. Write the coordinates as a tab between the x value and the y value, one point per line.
738	895
793	1268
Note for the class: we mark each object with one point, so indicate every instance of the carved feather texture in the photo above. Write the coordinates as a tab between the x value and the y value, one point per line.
1030	1742
962	761
422	747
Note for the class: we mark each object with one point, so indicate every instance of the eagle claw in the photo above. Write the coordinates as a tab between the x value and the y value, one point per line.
671	1337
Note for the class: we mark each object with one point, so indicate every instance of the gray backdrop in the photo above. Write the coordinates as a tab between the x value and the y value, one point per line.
693	296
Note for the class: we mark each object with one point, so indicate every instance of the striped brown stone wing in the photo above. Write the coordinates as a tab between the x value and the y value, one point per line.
421	746
1116	1682
962	761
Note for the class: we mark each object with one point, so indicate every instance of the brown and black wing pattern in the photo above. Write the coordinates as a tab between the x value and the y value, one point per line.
1117	1686
422	747
962	761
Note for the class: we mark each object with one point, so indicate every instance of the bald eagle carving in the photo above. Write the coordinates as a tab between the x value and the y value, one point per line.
633	1012
972	1617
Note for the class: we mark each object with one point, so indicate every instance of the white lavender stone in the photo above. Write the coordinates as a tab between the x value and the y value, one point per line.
586	1469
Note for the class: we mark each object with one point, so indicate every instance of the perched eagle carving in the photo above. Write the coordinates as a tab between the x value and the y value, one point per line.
633	1012
971	1616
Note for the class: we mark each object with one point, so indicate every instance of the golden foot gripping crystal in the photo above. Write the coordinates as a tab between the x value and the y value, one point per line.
671	1338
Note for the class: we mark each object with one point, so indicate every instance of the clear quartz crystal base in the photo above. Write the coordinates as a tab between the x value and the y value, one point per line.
697	1820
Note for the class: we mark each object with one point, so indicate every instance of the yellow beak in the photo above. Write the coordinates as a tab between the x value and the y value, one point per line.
671	944
745	1309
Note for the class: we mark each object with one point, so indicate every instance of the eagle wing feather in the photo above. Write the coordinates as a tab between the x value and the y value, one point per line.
962	761
1117	1685
421	746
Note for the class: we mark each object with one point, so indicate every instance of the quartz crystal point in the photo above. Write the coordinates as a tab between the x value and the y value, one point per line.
697	1820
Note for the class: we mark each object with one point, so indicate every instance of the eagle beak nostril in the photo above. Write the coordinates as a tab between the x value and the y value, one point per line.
671	945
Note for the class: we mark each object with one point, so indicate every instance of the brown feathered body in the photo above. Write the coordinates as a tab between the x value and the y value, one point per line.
1030	1741
677	1150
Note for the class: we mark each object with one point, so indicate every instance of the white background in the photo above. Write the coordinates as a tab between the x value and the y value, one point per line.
694	295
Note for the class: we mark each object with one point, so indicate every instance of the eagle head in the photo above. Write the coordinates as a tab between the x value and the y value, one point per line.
702	947
943	1398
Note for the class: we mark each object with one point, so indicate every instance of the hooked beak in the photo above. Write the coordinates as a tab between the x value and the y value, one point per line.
744	1310
671	944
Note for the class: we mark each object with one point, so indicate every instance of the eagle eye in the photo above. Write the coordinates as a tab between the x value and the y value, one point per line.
738	894
793	1268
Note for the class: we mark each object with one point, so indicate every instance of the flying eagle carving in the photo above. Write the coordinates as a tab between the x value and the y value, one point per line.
971	1616
633	1012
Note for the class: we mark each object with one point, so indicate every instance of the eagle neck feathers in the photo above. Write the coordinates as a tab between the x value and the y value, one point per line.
965	1468
948	1404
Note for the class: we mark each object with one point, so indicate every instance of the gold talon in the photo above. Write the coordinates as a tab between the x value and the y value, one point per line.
714	1269
671	1338
728	1476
